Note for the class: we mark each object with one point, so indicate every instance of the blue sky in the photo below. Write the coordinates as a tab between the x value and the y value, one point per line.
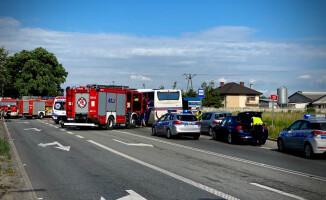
267	43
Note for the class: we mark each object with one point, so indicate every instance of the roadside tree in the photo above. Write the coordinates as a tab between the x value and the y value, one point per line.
4	75
35	73
212	97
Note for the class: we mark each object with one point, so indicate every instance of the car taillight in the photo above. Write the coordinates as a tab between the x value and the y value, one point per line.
177	122
239	128
315	133
214	122
265	127
198	123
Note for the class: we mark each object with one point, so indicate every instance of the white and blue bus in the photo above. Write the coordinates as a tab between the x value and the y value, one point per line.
159	102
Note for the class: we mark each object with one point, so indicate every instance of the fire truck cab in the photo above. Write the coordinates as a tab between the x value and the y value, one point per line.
103	106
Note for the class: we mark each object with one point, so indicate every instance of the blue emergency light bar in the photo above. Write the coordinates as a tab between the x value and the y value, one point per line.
310	116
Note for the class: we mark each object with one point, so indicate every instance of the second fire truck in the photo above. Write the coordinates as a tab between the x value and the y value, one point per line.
104	106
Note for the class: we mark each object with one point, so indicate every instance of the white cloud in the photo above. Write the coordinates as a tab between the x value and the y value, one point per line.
140	77
230	52
305	77
321	80
222	80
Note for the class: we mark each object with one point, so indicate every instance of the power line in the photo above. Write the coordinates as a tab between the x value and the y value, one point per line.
189	77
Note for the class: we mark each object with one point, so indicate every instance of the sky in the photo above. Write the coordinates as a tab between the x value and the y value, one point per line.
267	43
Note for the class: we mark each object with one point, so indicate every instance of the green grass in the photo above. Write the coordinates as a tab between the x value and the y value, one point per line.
281	120
5	148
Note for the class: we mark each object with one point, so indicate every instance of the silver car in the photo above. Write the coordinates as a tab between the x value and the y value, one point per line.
211	119
307	135
177	124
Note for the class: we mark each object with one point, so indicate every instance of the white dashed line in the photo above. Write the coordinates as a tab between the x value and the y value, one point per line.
168	173
62	129
320	178
70	133
265	148
79	136
277	191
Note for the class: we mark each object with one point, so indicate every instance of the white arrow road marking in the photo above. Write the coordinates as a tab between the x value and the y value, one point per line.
35	129
60	146
102	198
132	196
277	191
168	173
134	144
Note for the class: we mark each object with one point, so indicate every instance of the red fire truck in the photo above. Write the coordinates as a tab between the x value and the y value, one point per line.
35	107
12	103
104	106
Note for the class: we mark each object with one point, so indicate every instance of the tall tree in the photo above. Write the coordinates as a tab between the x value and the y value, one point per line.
212	97
35	73
4	75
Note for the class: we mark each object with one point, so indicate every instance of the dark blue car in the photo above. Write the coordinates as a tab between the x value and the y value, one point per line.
236	128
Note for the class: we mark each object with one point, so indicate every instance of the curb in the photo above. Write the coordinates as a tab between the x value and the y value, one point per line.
27	182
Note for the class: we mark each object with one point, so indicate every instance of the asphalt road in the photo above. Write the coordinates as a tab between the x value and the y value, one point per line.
129	163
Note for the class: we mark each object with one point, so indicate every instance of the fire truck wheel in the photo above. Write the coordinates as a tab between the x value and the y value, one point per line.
41	115
132	122
62	124
109	125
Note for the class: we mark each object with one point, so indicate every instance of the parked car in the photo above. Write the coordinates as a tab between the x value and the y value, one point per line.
211	119
307	135
177	124
236	128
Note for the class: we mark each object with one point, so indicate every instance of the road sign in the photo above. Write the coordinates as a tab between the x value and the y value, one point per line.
201	93
274	97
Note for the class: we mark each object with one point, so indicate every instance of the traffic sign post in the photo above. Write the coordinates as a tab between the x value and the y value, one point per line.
273	98
201	93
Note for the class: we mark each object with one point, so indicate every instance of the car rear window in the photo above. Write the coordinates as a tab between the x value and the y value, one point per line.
318	126
222	115
187	118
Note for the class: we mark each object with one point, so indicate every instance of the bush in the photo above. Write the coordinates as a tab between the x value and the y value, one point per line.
311	110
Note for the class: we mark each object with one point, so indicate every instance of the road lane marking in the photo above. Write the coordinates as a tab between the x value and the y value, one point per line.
70	133
79	136
278	191
132	196
55	127
266	148
62	129
320	178
59	146
134	144
168	173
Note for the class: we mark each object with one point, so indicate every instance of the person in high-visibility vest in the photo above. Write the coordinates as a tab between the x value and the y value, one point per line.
198	113
257	125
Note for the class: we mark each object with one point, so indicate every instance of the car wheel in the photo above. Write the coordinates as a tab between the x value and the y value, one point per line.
214	135
62	124
230	138
41	115
280	145
308	152
210	131
168	134
154	132
263	142
196	137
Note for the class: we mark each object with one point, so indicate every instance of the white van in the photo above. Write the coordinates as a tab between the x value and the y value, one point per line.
59	110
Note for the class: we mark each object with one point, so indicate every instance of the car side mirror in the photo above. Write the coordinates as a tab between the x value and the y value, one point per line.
286	129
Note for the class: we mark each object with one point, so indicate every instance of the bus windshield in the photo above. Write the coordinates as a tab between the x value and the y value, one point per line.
168	95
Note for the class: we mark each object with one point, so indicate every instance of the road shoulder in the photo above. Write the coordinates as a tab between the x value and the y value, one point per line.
14	179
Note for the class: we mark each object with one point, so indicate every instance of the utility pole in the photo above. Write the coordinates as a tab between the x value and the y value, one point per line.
143	85
189	78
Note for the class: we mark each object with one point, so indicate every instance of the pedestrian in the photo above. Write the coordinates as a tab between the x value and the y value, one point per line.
2	114
257	129
198	113
142	120
8	113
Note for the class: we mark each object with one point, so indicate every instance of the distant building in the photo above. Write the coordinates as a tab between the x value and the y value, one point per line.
236	95
308	99
266	103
